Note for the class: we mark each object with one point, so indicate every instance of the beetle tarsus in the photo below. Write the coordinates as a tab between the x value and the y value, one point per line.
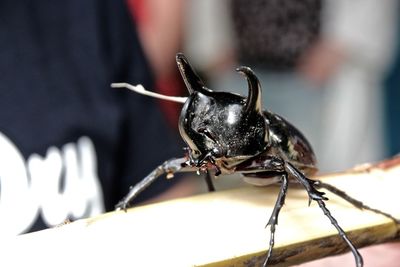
122	205
357	256
273	220
209	182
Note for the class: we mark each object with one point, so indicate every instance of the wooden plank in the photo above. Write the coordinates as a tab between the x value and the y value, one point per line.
220	229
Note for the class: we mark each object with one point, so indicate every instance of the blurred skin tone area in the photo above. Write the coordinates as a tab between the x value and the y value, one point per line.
160	25
321	61
387	255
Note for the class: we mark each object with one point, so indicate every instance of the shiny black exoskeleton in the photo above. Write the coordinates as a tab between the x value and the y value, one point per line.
228	130
228	133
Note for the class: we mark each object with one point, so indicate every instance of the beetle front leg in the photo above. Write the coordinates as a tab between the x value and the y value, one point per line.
209	182
168	167
318	197
273	220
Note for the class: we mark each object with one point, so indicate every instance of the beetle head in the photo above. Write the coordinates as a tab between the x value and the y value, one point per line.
221	125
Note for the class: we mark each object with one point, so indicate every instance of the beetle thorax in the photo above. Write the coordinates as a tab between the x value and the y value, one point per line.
217	126
221	127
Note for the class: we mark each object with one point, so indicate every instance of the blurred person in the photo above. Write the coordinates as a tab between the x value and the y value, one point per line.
70	145
320	64
351	59
209	37
271	37
349	62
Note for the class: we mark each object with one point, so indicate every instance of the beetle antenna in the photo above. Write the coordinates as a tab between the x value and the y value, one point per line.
140	89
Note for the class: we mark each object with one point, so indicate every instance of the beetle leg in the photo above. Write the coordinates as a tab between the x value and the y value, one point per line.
273	220
209	182
355	202
168	167
357	256
309	186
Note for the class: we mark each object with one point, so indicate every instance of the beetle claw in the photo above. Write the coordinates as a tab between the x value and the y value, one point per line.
316	195
122	205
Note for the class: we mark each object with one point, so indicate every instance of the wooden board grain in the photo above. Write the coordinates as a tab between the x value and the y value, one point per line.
224	228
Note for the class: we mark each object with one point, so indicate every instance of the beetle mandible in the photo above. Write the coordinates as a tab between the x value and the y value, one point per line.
228	133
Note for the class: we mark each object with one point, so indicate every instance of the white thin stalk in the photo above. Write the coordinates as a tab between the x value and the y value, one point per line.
140	89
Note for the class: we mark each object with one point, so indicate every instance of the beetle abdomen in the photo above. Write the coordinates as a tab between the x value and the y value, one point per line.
289	143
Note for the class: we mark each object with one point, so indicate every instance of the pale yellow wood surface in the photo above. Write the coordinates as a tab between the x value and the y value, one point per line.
218	229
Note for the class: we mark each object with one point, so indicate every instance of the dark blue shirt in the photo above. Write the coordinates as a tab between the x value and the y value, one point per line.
70	146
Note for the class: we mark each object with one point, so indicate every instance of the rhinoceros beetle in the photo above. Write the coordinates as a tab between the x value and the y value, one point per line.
227	133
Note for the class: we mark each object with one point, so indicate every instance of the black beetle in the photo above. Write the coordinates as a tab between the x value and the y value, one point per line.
229	133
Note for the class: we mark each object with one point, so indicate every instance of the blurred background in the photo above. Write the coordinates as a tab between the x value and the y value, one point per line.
329	67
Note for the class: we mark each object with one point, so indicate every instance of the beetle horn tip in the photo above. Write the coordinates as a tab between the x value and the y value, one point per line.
244	70
180	55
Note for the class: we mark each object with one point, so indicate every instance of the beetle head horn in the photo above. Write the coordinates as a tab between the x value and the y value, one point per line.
254	97
190	77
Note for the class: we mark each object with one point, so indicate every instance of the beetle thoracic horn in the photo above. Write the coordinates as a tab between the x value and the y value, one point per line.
190	77
254	97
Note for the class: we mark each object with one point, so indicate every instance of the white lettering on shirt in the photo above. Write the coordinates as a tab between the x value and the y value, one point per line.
63	184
